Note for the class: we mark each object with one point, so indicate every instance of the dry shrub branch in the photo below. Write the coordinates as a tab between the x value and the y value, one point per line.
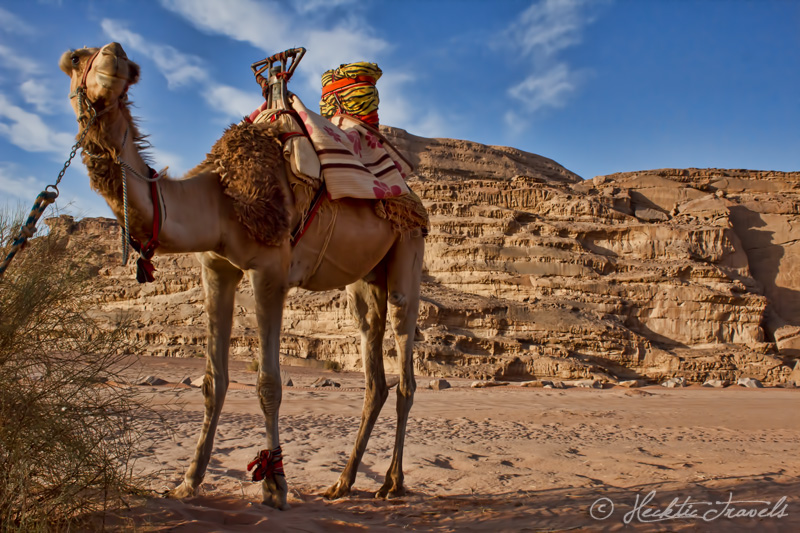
67	436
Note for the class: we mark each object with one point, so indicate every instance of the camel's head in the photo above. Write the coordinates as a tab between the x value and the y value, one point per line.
104	73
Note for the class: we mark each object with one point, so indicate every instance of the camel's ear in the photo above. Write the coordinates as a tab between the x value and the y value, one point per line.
133	72
65	63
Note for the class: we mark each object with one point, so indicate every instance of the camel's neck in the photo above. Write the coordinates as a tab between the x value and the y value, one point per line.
115	139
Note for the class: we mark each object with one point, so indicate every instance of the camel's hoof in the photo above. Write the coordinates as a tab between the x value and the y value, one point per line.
274	491
181	491
390	490
337	490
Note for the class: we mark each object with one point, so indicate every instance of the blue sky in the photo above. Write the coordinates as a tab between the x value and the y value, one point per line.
600	86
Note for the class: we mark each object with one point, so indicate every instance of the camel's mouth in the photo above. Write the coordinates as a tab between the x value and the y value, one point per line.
108	81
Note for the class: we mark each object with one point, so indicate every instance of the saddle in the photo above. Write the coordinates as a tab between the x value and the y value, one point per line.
343	156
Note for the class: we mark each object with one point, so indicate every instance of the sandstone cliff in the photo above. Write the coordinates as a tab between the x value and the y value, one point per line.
532	272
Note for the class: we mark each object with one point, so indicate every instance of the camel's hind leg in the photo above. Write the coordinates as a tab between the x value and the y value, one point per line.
404	275
367	302
220	279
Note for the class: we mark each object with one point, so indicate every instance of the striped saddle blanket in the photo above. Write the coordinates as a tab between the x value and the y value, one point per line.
355	159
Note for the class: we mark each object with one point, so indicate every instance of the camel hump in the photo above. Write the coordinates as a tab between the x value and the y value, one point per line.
297	148
247	159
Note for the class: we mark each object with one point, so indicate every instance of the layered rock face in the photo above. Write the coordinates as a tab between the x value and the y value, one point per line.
532	272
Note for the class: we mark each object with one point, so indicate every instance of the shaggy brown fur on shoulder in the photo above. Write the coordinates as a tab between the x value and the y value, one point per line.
106	176
100	157
246	158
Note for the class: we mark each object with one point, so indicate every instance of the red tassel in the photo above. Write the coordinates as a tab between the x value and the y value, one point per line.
268	463
144	270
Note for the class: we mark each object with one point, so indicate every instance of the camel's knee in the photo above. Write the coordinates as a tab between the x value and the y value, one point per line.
377	392
269	391
405	394
369	320
213	387
407	388
397	299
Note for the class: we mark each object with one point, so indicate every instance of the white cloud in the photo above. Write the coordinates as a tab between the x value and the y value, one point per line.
39	94
265	25
232	101
549	26
163	159
182	69
12	183
271	28
331	47
178	68
394	108
315	6
11	23
29	132
546	89
13	60
543	30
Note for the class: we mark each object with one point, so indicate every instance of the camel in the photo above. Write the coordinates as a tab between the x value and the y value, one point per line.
379	266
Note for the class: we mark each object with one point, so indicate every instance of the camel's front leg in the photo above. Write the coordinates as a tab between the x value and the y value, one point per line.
367	302
269	286
220	279
405	274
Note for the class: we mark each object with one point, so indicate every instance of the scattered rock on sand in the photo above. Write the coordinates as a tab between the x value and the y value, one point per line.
750	383
673	383
631	383
153	381
197	382
439	384
543	383
486	384
325	382
186	381
286	379
584	383
717	383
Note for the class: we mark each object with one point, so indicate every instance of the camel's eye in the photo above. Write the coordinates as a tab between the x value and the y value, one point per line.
75	60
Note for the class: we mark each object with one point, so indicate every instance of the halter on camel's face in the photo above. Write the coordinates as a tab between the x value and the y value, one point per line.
104	74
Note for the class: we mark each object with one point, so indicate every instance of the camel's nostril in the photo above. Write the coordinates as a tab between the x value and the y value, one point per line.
114	49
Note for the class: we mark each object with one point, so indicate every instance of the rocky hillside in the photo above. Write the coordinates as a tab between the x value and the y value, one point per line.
532	272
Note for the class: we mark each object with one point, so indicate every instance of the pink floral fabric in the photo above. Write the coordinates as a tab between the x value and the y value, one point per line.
356	161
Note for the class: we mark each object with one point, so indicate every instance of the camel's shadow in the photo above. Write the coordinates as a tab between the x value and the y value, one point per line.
726	504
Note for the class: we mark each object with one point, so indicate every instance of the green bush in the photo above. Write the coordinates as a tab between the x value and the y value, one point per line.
67	435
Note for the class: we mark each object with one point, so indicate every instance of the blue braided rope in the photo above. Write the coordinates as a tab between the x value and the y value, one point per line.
28	229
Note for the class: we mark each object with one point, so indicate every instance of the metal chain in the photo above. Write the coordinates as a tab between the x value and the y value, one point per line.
77	145
45	198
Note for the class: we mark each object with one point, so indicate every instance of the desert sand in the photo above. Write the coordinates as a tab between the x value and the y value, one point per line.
490	459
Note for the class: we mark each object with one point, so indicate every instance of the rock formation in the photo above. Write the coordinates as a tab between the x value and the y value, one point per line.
532	272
